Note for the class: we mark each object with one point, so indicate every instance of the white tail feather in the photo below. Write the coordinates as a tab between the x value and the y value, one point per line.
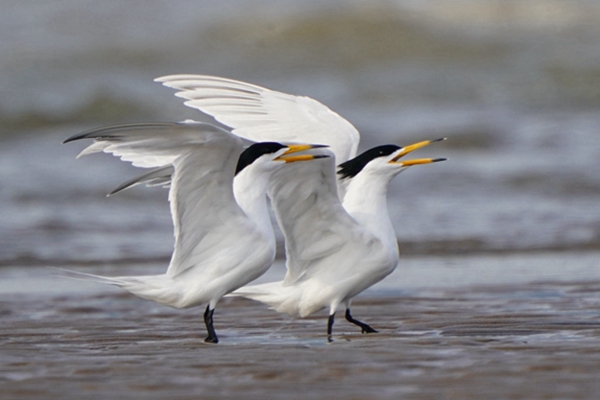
159	288
281	298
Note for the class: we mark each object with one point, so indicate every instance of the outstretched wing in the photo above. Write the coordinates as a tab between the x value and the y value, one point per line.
261	114
316	226
203	157
146	145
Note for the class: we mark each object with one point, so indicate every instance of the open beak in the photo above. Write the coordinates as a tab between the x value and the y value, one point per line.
420	161
295	148
413	147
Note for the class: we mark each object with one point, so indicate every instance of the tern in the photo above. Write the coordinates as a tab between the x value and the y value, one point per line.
335	250
223	235
338	235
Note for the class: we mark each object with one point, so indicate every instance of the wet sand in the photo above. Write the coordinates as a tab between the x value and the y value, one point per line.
534	340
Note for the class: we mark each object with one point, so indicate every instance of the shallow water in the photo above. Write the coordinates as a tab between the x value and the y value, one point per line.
448	326
534	340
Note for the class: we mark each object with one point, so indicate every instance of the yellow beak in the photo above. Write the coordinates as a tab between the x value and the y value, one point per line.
419	161
295	148
413	147
301	157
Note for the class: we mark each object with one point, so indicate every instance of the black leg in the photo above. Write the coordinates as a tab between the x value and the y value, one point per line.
330	327
365	328
208	321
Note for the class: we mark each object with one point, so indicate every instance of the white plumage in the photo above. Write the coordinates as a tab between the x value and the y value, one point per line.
334	251
221	243
260	114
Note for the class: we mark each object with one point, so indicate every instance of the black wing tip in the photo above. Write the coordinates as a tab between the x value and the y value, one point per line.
439	159
112	131
120	188
75	137
439	140
158	176
316	156
89	134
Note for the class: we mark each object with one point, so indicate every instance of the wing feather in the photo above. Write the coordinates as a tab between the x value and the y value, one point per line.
149	145
317	228
203	157
260	114
160	176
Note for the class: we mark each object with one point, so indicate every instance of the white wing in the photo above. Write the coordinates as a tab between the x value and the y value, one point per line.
148	145
261	114
318	231
205	214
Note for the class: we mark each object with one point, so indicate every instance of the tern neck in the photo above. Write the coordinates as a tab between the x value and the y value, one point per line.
250	191
366	202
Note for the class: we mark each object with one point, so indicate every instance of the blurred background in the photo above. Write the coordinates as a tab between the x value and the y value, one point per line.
514	85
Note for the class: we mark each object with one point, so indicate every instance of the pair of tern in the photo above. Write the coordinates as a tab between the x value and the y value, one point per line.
338	236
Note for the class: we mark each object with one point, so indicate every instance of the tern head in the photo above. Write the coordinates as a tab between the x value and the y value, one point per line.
269	156
384	160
